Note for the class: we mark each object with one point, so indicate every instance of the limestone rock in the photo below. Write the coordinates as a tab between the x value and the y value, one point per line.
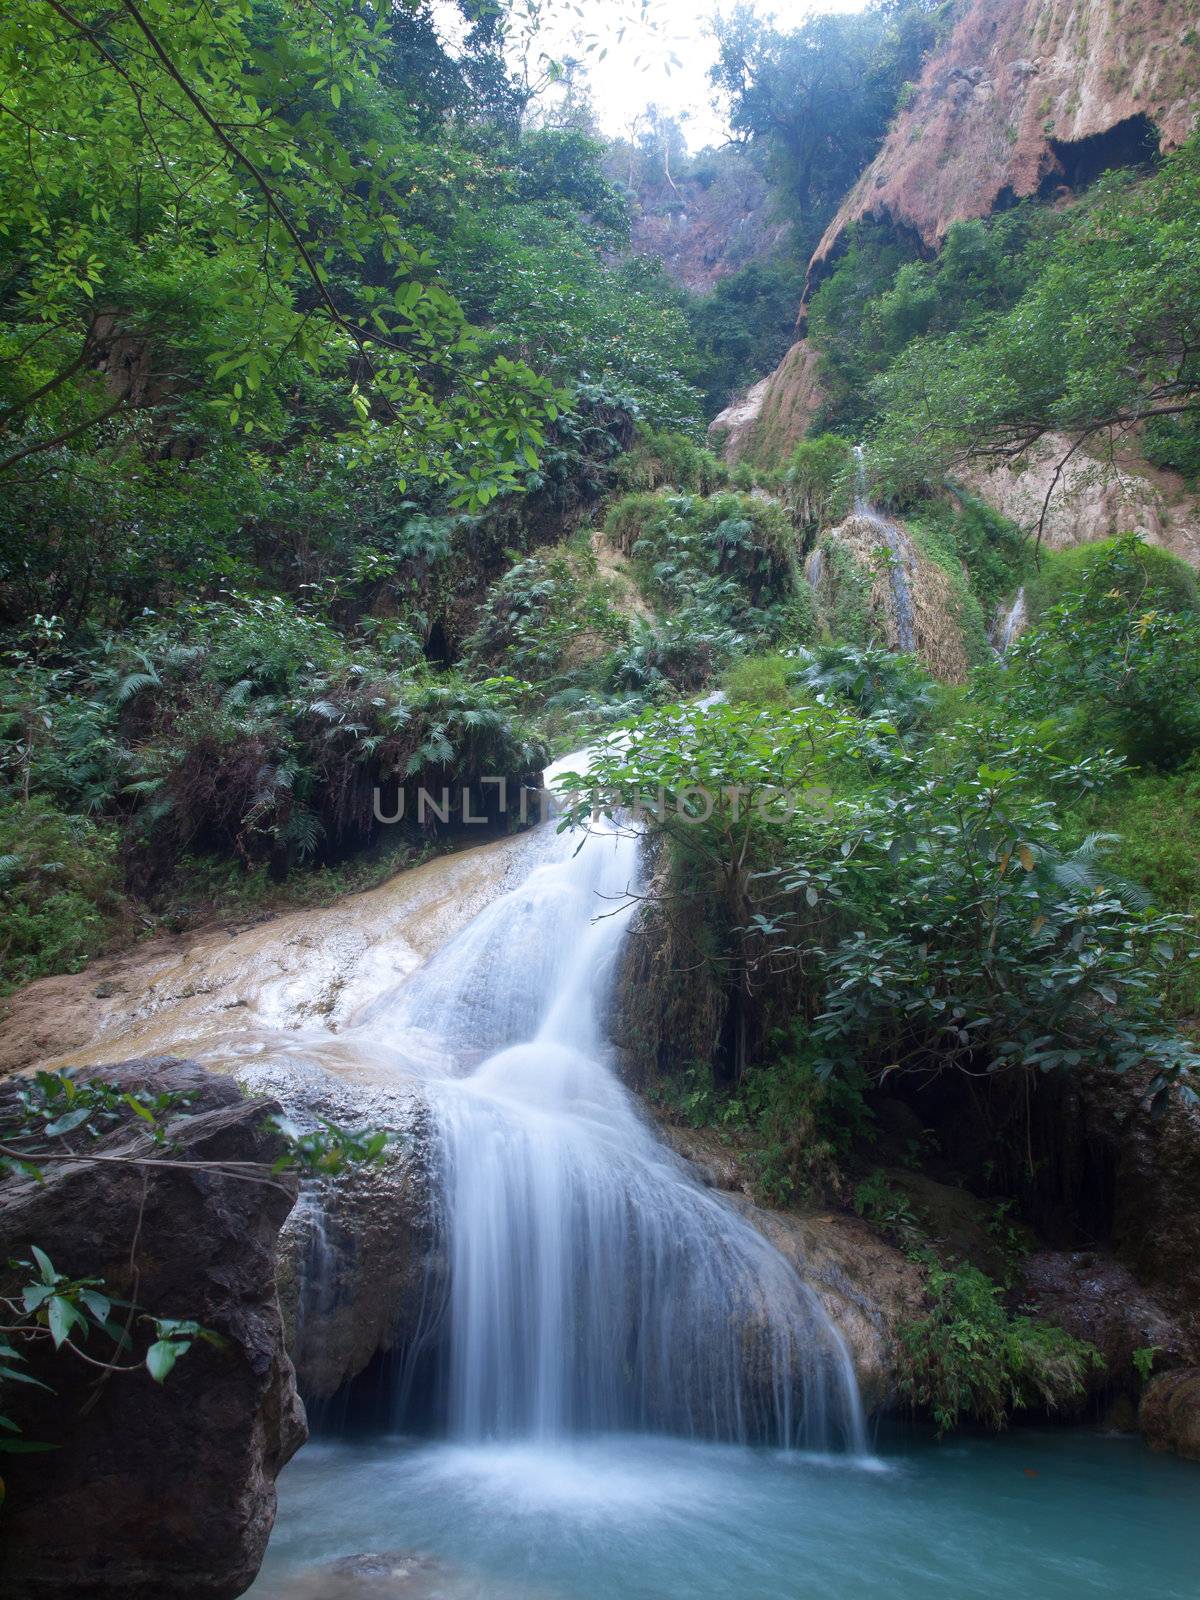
359	1264
159	1492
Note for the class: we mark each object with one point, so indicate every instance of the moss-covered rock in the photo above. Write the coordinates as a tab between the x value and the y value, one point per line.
1169	1413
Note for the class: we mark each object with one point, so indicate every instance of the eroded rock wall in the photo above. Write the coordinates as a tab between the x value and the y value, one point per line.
1005	107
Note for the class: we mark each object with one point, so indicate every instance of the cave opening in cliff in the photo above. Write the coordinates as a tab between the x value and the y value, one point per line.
1079	162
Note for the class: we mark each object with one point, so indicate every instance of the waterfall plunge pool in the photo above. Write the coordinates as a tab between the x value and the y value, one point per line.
1041	1515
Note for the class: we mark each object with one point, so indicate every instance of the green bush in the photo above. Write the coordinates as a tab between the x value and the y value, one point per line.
762	681
1118	656
661	459
1143	575
818	483
58	890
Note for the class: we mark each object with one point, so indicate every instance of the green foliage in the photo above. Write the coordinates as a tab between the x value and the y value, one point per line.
59	883
660	459
1155	820
889	1209
820	98
1103	334
743	327
966	532
544	613
874	681
250	726
818	483
240	189
1143	574
1117	657
919	900
1143	1360
729	551
970	1357
762	681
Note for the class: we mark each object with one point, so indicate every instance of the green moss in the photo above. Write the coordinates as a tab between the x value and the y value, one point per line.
936	547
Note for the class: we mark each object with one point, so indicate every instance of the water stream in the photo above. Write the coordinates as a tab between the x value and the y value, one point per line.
899	554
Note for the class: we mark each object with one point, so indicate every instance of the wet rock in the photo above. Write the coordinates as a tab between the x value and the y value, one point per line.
156	1492
867	1287
1093	1297
358	1266
1169	1414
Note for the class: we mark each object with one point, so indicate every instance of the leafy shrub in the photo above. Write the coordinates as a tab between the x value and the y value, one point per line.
818	483
1141	573
674	655
872	680
264	736
543	613
660	459
969	1357
731	550
1119	655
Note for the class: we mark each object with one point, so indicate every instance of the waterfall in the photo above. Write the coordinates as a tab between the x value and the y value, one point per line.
593	1284
1010	623
899	554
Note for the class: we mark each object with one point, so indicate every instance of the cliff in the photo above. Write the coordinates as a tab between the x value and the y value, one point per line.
1028	97
1024	97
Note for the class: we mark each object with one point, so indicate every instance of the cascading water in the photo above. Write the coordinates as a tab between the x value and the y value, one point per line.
593	1285
1010	624
899	554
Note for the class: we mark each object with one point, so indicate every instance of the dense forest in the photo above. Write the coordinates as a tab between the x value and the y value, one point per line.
354	397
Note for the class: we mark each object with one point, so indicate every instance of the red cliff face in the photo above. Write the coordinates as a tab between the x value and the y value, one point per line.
1024	97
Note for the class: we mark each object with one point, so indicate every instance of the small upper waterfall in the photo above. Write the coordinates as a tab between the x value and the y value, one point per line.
899	553
1010	623
593	1285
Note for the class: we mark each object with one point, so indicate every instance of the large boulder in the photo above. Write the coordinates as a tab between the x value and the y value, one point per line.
155	1491
1169	1415
359	1263
1094	1298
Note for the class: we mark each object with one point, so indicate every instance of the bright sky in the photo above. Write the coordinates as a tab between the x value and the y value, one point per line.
638	70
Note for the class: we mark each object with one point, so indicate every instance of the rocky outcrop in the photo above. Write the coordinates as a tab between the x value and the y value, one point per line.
704	228
1169	1413
774	415
221	993
872	581
1096	1299
155	1491
1026	97
1094	498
